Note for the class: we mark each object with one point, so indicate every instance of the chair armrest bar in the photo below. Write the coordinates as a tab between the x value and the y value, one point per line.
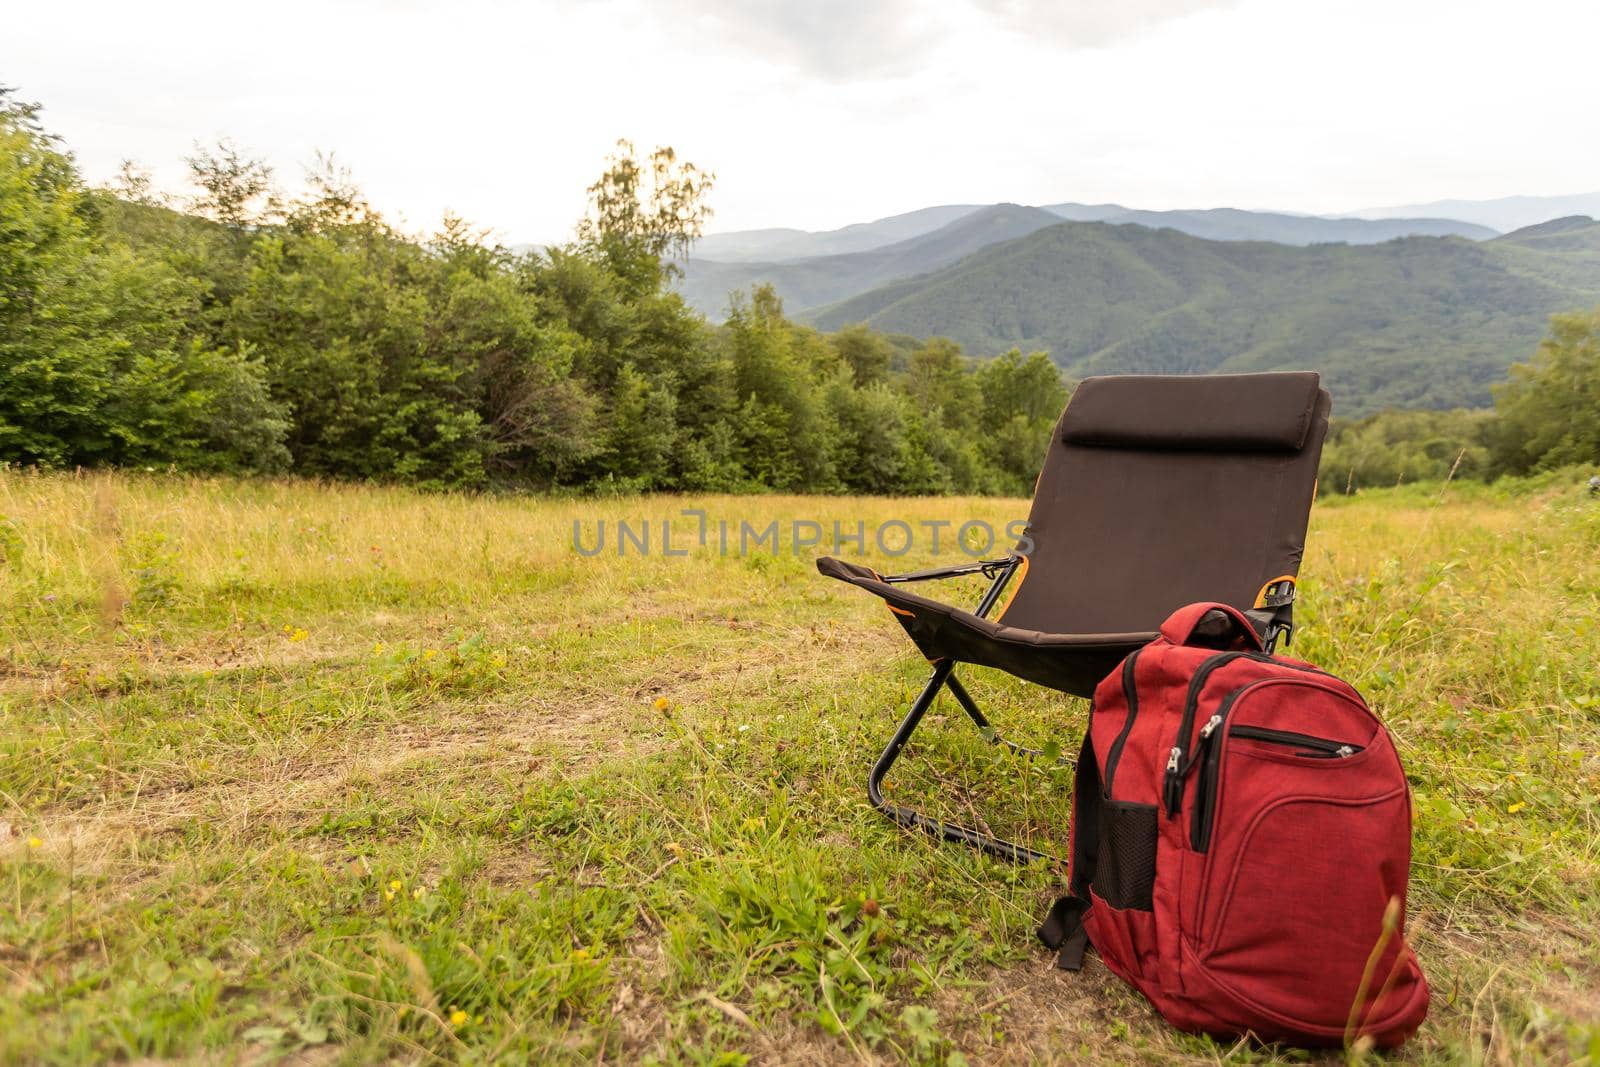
989	568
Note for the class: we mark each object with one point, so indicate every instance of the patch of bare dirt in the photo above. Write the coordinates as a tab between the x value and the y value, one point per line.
585	717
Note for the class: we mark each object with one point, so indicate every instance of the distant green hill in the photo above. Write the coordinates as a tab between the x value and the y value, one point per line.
151	226
805	283
776	245
1415	322
723	263
1232	224
782	245
1574	234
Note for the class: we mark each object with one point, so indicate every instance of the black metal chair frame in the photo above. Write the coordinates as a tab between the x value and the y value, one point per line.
1277	625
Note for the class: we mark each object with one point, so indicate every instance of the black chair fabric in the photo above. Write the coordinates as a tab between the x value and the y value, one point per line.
1156	492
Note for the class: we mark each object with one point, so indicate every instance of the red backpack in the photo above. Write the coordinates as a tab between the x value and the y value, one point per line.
1241	839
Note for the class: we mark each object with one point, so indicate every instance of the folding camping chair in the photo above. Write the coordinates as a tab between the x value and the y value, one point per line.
1157	491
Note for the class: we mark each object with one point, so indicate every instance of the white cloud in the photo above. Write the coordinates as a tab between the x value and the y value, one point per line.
838	40
1091	23
819	115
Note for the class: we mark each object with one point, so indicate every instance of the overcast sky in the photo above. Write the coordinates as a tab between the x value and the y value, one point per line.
816	114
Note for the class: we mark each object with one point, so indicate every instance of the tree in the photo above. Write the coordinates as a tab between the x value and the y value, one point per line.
134	184
642	432
649	210
940	378
783	424
1393	447
1014	384
1549	411
868	354
234	189
331	200
871	445
312	334
382	380
99	359
1022	398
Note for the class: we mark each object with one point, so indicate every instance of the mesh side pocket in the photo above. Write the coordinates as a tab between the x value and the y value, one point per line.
1125	872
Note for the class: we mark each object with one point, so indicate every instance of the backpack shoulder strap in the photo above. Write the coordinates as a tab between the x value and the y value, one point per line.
1063	926
1063	930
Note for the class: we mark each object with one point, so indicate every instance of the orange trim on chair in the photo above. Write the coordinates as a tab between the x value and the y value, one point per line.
1261	597
1013	595
900	611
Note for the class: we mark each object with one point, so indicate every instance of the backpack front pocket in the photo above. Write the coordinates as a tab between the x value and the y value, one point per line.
1296	925
1297	829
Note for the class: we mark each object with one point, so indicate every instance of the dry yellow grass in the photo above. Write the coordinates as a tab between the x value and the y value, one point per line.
621	797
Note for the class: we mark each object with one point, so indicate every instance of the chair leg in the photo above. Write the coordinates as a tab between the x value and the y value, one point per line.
981	721
942	676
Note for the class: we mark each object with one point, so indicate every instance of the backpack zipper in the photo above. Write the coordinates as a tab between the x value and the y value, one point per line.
1179	761
1130	696
1316	747
1172	785
1210	755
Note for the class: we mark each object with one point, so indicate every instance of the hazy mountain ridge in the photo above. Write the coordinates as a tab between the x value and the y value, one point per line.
779	245
812	282
1417	321
811	269
1233	224
1502	213
1574	233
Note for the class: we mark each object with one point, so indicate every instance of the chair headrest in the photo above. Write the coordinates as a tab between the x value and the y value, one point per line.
1194	412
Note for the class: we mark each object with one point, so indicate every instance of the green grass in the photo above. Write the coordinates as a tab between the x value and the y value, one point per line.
345	774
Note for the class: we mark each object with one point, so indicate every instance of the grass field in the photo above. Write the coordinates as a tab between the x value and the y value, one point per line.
348	774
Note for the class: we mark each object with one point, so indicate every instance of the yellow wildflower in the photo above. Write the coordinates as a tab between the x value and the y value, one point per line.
34	842
396	884
299	634
458	1018
662	703
418	893
1518	806
580	954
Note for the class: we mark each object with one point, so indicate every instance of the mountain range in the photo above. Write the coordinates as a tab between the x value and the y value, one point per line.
1479	219
1232	224
1415	322
1419	311
766	246
1504	214
812	281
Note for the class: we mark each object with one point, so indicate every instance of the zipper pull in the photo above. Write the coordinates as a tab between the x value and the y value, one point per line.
1344	751
1172	788
1172	792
